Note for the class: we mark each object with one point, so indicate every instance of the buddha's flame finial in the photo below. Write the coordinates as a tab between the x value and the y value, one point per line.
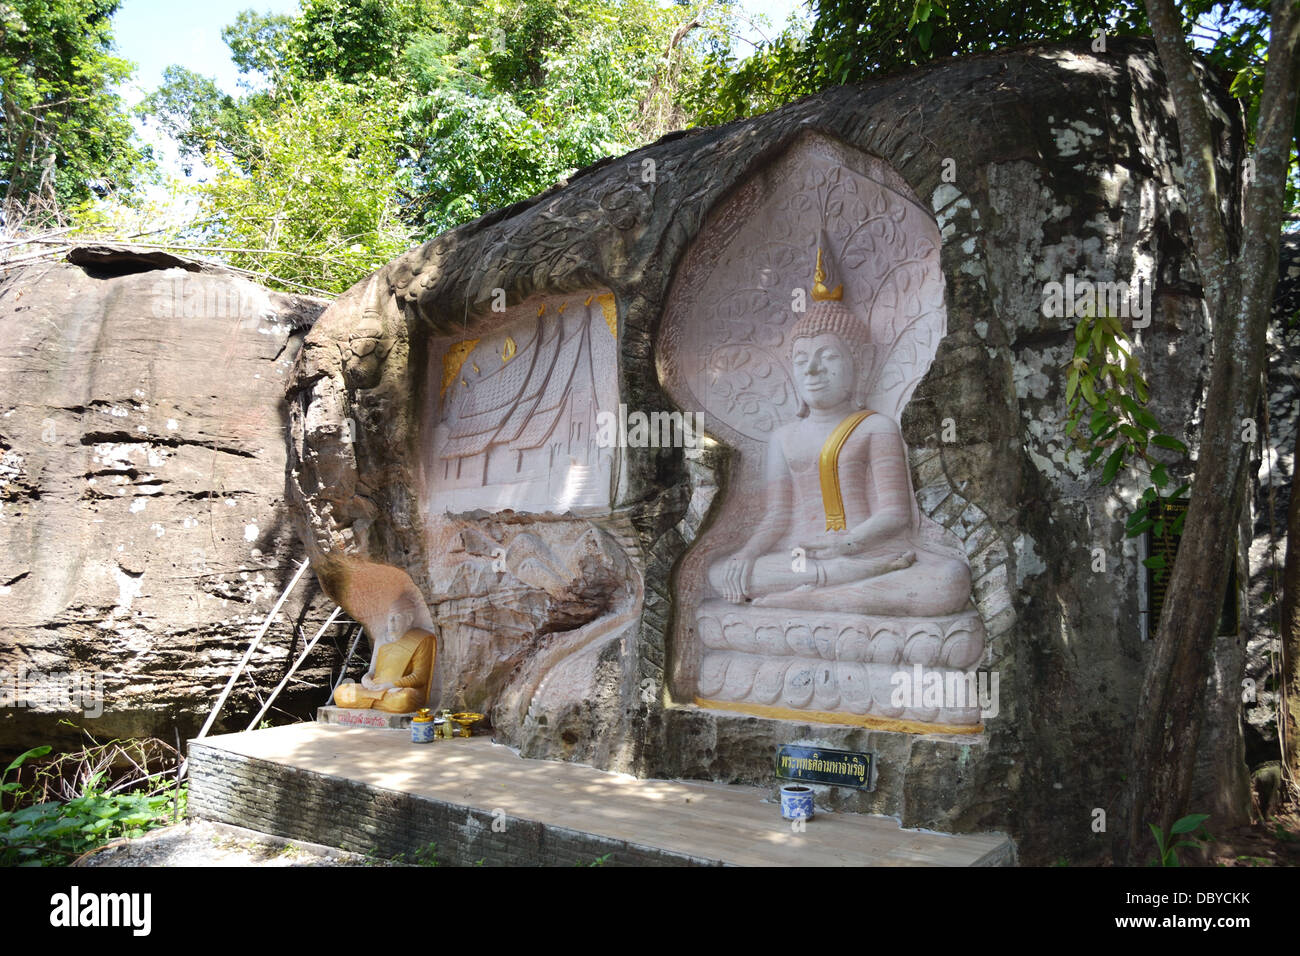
820	292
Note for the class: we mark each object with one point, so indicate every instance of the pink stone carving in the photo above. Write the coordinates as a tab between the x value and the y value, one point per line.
515	426
780	606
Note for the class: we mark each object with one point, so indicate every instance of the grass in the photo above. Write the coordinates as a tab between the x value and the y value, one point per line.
55	810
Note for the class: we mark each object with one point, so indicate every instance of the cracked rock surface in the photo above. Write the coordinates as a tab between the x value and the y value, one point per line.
142	534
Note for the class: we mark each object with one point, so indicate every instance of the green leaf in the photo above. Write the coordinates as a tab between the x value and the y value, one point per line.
34	752
1101	419
923	32
1085	385
1189	823
1111	467
1155	562
1160	476
1159	835
1166	441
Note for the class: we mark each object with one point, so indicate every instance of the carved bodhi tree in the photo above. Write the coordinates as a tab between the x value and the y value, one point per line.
820	589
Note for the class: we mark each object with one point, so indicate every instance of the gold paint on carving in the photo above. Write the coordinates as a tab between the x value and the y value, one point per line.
541	310
452	362
508	352
852	720
589	298
820	293
563	306
475	365
611	313
404	667
829	468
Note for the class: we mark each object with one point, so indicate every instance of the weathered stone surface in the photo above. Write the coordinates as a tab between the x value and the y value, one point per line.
1274	473
1035	164
142	524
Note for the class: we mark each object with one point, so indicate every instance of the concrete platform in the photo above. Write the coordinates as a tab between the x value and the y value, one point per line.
372	791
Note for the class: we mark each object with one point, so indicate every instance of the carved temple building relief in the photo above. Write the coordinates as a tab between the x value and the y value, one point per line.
801	321
513	416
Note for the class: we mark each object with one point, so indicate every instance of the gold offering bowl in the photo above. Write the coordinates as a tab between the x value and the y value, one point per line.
465	720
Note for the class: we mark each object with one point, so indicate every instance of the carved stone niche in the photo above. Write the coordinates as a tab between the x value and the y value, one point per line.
818	591
527	585
515	419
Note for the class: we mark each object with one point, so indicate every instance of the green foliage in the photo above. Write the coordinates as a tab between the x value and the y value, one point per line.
1106	398
258	41
1234	38
65	135
198	115
853	40
312	200
1189	827
368	124
41	832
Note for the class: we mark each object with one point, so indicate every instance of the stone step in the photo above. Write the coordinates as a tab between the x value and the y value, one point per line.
372	791
619	526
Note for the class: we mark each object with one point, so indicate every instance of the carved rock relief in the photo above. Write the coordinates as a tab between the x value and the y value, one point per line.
513	416
725	347
515	475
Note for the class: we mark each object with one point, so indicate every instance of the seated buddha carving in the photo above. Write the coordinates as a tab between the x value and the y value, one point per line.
386	602
840	525
399	680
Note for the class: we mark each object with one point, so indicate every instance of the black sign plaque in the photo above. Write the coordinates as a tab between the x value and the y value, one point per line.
1165	545
839	768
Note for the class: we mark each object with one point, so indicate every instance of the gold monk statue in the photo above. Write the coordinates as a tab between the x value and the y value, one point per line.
840	527
399	680
387	603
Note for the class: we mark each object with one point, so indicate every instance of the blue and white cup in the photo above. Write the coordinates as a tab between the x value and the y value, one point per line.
422	727
797	802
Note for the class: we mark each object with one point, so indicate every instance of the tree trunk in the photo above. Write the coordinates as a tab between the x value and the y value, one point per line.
1289	698
1238	280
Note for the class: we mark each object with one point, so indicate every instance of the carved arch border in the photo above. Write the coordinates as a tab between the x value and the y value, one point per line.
940	497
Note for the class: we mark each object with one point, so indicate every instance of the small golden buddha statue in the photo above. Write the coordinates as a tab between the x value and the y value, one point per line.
385	601
399	681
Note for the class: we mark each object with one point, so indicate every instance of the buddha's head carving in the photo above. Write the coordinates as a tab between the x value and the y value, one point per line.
830	349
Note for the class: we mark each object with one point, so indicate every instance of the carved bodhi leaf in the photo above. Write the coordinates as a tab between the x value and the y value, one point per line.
737	297
907	321
749	384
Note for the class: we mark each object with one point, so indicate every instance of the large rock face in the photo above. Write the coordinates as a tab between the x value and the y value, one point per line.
415	441
1271	494
141	489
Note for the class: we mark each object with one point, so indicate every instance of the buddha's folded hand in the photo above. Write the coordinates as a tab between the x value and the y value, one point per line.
832	546
735	585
